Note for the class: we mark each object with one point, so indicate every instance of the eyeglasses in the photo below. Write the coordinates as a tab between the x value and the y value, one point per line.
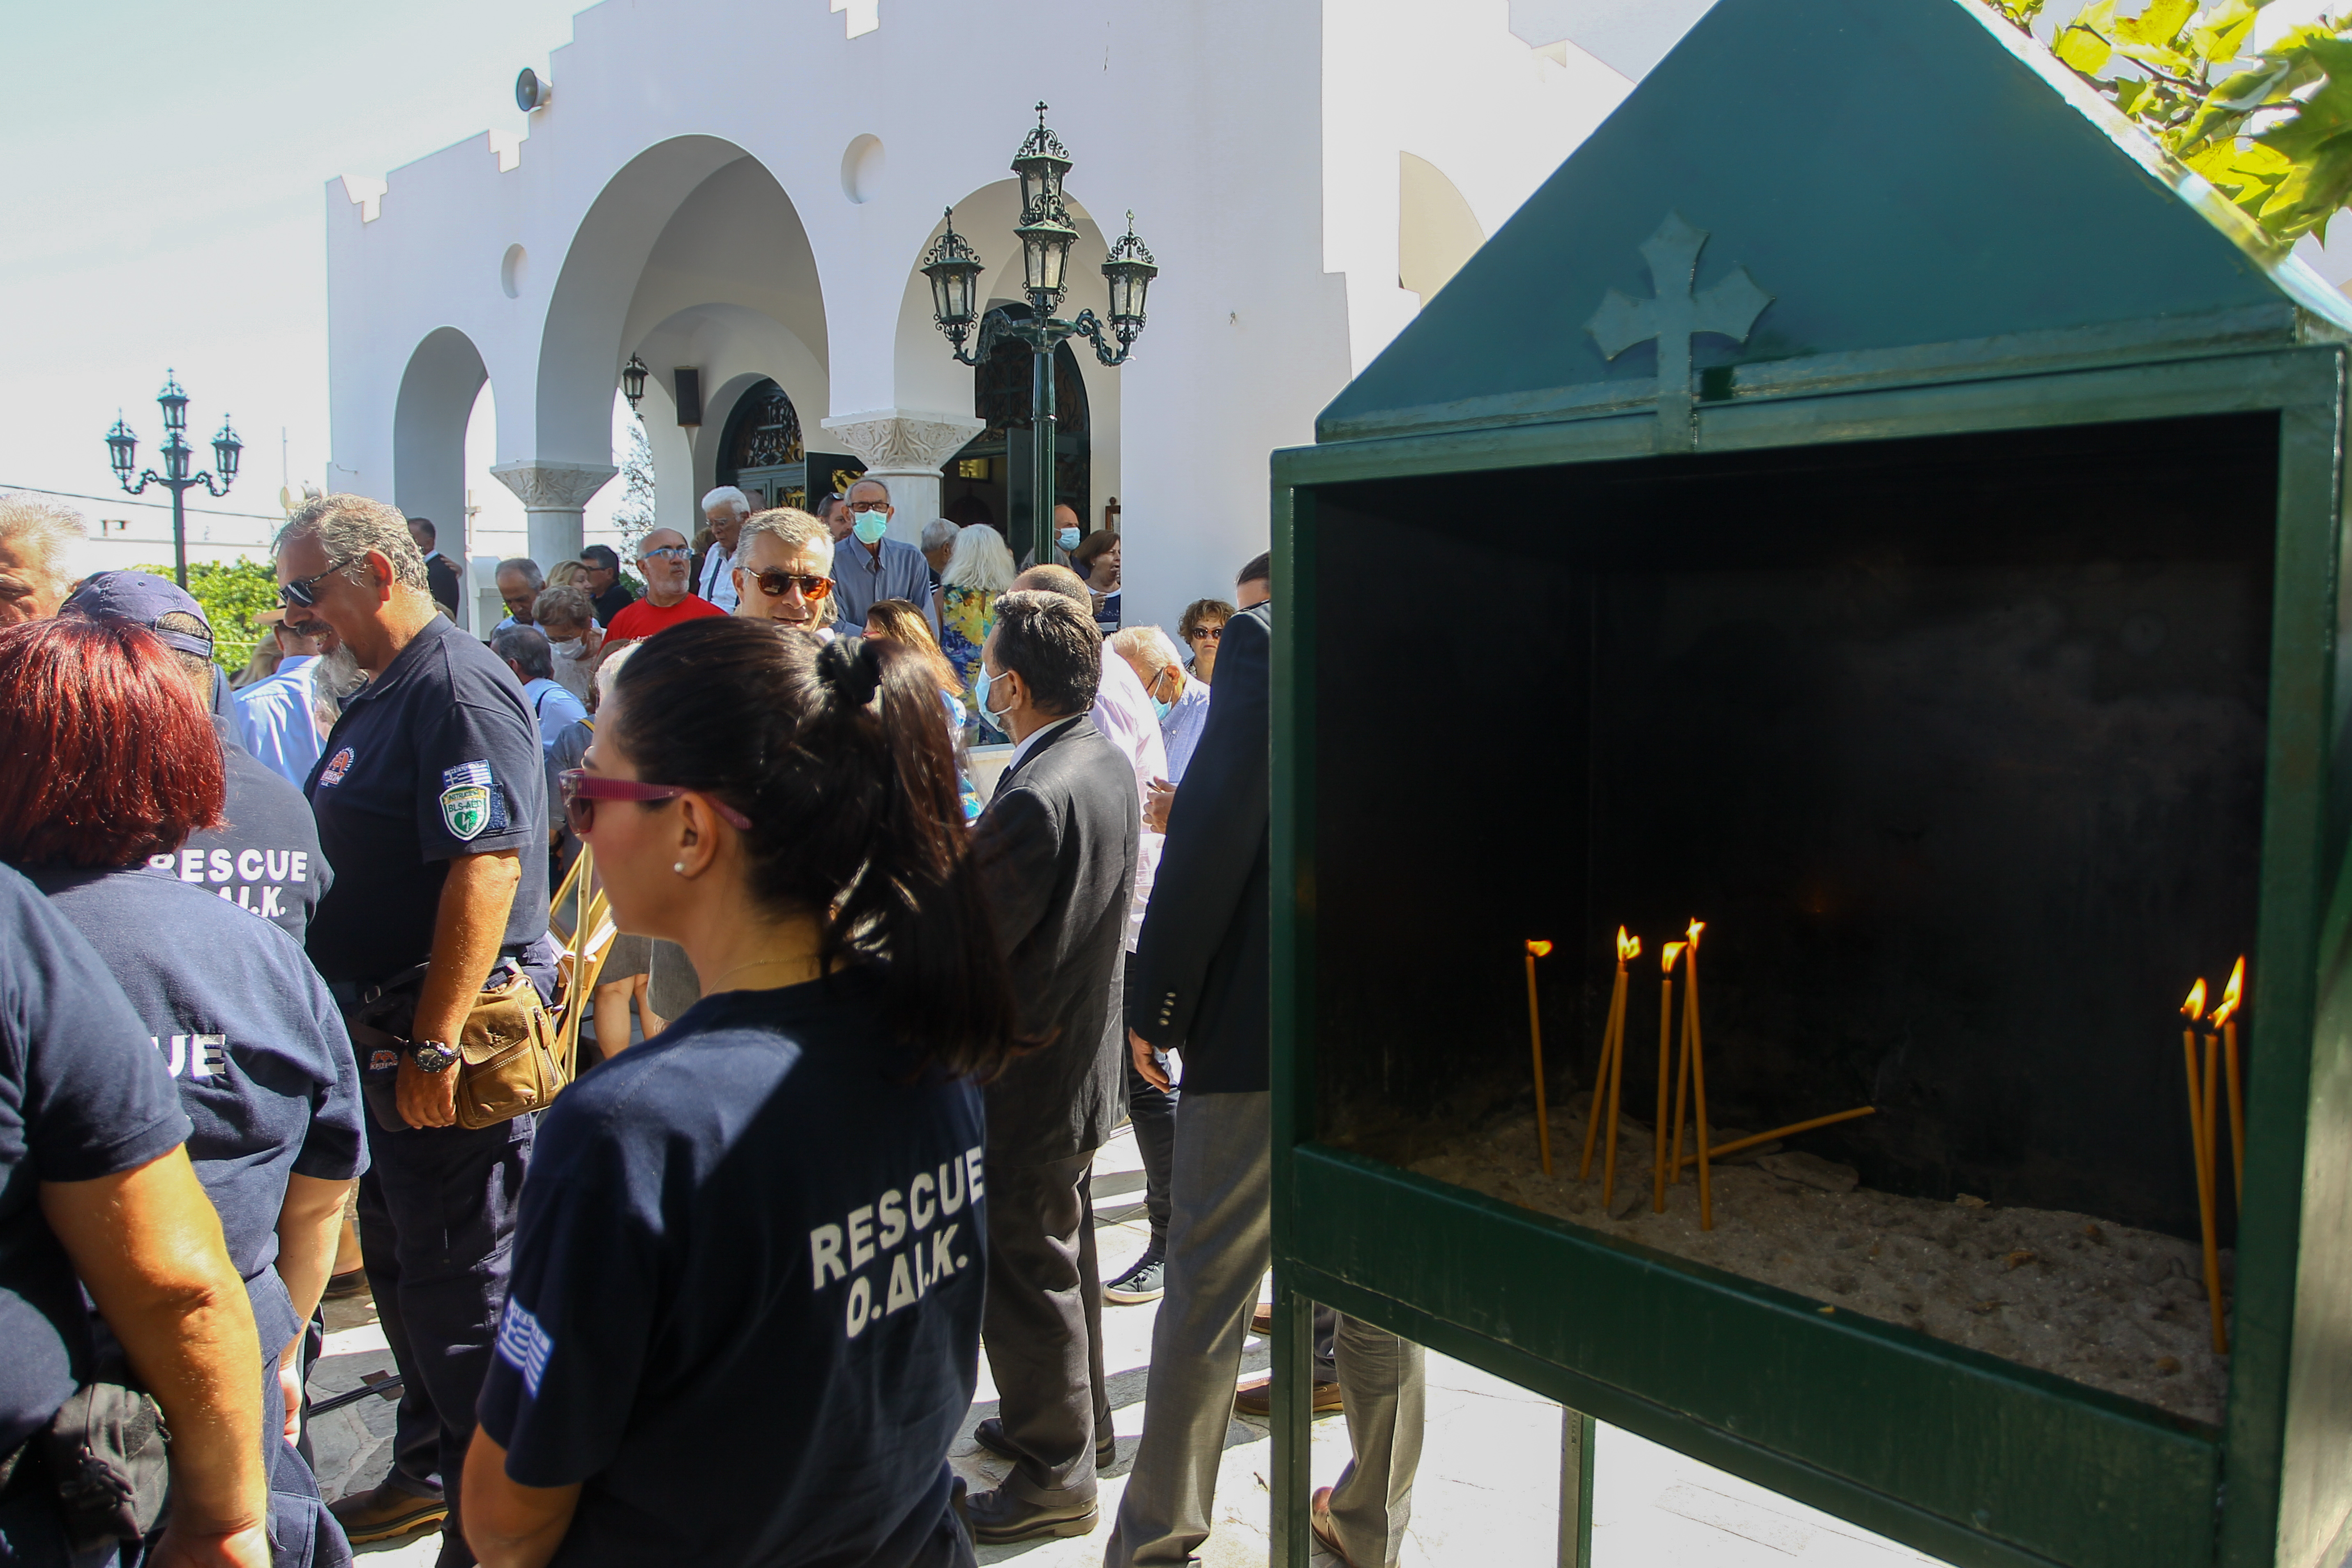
667	552
775	582
581	789
304	594
868	505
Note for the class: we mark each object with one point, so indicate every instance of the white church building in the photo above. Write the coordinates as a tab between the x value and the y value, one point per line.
739	193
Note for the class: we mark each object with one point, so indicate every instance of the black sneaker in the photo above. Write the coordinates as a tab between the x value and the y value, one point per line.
1147	1282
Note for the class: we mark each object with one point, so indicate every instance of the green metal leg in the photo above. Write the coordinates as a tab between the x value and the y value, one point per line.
1575	1489
1294	1471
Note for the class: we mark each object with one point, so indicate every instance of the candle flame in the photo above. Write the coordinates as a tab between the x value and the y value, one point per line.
1668	953
1696	927
1628	947
1537	949
2195	1006
2230	994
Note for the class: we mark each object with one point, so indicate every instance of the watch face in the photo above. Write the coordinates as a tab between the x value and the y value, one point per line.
434	1058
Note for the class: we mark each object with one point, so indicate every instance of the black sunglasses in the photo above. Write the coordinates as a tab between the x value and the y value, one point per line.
775	582
301	595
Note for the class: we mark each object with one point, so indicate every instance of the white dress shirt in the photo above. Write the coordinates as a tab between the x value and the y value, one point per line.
1124	714
719	578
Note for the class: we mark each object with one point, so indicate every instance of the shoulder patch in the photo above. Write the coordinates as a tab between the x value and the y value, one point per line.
471	801
333	772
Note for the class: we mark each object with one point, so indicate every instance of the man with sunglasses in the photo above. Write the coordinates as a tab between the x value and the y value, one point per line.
661	561
431	802
784	563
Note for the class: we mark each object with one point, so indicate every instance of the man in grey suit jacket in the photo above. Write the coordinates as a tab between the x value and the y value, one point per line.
1203	987
1057	848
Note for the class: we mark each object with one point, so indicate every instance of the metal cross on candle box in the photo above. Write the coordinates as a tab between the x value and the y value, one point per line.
1871	502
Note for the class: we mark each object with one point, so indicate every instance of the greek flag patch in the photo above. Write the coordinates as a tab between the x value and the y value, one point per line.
523	1345
472	804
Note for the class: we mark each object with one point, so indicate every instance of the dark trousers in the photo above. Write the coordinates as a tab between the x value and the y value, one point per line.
1153	1112
1042	1325
436	1228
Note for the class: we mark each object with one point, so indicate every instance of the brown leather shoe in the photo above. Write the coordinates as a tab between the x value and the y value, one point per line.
1255	1397
1318	1519
386	1512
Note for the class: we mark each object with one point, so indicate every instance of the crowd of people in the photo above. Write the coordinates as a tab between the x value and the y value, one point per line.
878	997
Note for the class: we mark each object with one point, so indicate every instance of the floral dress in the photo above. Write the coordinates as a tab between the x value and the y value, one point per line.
963	631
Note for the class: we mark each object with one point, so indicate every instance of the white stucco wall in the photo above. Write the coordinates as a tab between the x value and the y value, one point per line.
744	186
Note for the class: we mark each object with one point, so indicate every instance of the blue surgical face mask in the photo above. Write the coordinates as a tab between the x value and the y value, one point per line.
1067	538
870	526
981	683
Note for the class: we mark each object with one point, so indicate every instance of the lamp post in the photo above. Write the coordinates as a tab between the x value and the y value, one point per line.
1045	233
122	450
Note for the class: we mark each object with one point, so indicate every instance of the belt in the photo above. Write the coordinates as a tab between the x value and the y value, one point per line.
376	990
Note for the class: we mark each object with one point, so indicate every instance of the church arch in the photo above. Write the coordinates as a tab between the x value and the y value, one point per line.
443	376
692	198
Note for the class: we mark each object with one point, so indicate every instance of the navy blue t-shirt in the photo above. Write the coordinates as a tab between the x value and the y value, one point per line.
81	1096
244	1026
437	758
761	1215
264	859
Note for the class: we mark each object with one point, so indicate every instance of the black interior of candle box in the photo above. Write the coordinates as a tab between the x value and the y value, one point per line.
1957	744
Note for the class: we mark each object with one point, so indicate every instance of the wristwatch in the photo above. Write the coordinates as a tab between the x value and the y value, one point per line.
432	1056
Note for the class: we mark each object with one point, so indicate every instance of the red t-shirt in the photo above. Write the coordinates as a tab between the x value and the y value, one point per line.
644	618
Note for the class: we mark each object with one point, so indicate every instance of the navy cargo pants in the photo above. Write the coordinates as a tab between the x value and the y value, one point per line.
436	1229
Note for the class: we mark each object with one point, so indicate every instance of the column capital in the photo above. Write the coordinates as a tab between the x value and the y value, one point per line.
553	487
902	440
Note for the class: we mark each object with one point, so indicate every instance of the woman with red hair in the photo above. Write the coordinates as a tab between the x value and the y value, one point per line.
107	758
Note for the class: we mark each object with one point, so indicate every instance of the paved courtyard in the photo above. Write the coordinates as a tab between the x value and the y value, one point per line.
1488	1492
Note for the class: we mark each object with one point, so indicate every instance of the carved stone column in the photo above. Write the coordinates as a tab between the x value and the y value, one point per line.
553	494
904	448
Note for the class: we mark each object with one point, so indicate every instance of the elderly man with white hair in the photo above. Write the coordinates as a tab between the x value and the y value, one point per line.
39	541
724	509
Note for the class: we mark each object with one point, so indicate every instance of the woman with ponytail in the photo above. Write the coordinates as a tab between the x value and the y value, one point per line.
744	1321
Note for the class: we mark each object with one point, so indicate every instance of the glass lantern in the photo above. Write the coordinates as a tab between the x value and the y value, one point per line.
1040	163
175	402
226	448
122	447
1129	271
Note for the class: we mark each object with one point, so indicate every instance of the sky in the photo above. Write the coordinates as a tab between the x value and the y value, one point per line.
176	220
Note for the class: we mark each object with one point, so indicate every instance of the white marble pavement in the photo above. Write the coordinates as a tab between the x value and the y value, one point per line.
1488	1492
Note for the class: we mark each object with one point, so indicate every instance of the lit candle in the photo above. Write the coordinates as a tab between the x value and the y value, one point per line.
1699	1073
1534	1035
2200	1137
1666	958
2225	1017
1628	949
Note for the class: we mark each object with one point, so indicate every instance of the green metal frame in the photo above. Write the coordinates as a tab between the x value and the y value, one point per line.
1974	1460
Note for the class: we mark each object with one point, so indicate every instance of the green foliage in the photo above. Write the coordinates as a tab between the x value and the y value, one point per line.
233	594
2270	127
633	518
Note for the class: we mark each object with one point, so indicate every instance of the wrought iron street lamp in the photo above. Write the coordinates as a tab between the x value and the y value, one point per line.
633	381
122	452
1046	233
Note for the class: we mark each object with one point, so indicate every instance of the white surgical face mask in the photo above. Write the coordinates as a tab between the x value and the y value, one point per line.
1067	538
567	649
870	526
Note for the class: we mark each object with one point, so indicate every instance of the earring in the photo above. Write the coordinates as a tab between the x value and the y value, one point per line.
679	866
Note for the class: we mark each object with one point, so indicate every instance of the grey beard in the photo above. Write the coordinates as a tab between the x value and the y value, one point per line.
339	675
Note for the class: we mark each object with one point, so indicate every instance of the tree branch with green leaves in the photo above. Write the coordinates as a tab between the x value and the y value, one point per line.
2270	127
